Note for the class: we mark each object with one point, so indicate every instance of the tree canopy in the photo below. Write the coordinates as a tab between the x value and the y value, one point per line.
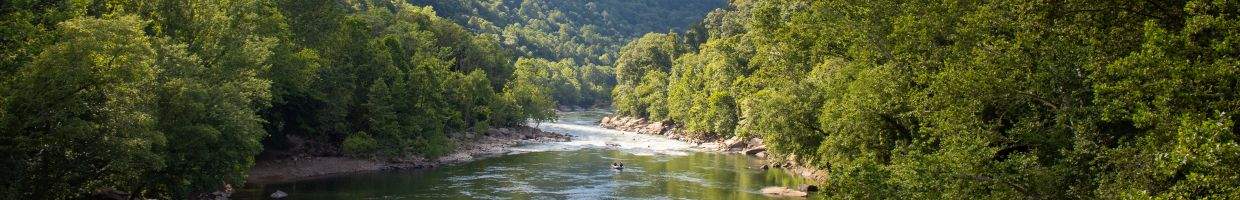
961	99
582	36
585	32
171	99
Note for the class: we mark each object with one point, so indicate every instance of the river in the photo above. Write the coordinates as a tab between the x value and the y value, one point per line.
655	168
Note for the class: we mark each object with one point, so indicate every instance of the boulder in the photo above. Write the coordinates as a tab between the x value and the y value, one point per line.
608	123
783	191
653	128
734	143
760	154
709	145
630	123
755	150
279	195
807	188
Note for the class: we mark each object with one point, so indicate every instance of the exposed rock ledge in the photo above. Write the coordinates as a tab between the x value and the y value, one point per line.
748	146
469	147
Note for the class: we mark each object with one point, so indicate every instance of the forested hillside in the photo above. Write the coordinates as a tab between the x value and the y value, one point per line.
586	32
963	99
172	98
574	43
959	99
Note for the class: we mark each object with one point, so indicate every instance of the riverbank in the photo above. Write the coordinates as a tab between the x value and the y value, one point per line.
749	146
469	147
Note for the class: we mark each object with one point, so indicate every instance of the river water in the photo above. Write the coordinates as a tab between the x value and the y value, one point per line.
655	168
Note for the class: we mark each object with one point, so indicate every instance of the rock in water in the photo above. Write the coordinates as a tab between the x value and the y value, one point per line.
279	195
734	143
783	191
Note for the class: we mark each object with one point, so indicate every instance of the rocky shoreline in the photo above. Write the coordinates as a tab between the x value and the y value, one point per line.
748	146
470	147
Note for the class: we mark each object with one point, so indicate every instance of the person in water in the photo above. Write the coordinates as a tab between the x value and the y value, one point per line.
617	165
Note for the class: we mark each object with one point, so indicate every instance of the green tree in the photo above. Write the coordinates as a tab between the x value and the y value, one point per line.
967	99
208	110
648	54
521	101
80	117
472	98
652	95
1177	97
92	104
702	86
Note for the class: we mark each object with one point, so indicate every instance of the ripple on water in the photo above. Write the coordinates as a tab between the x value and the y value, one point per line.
692	178
477	177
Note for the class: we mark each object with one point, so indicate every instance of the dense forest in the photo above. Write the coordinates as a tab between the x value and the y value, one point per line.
577	40
962	99
172	98
585	32
1002	99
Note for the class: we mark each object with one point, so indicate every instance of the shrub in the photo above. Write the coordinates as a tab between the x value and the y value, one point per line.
360	144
